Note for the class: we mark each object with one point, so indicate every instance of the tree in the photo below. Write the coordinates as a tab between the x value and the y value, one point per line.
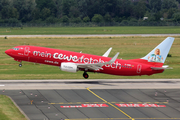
4	3
178	1
5	12
51	20
49	4
59	7
83	7
86	10
167	4
86	19
14	13
157	16
66	7
176	17
150	16
170	12
140	9
74	12
65	19
107	18
14	22
155	5
76	20
36	14
123	8
93	7
45	13
25	8
109	6
97	18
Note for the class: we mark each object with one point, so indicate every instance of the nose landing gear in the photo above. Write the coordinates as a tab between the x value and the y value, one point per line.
85	75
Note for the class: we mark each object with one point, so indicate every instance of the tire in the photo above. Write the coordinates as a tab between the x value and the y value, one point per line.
85	75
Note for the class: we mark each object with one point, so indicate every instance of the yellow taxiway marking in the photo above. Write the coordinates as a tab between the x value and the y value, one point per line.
110	104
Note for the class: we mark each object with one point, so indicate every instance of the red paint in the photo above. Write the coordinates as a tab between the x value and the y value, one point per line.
85	105
73	61
140	105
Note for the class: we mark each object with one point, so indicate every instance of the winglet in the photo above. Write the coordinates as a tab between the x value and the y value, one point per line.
113	59
106	54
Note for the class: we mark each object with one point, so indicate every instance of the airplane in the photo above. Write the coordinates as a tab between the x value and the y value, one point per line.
70	61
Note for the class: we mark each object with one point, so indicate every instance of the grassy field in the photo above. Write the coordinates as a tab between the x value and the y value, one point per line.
8	111
89	30
129	48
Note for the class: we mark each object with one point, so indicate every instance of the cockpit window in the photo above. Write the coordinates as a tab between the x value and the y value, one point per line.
15	48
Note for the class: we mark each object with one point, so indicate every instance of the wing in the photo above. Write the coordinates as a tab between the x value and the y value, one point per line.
161	68
97	66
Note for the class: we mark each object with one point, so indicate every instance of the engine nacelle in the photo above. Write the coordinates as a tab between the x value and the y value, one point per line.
68	67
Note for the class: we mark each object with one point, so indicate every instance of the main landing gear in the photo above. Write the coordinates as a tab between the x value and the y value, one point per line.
85	75
20	65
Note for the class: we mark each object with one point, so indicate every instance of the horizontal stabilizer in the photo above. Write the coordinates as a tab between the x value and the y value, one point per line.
161	68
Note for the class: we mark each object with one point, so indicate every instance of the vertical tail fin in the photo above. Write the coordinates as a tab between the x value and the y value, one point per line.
159	53
106	54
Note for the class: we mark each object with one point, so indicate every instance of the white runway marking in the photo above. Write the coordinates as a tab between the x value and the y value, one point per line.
2	85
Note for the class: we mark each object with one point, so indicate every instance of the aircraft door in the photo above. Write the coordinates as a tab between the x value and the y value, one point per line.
26	51
139	68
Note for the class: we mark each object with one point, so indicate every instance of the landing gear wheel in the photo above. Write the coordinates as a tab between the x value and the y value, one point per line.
20	65
85	75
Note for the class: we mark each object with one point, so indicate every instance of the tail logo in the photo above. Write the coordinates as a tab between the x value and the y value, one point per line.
156	57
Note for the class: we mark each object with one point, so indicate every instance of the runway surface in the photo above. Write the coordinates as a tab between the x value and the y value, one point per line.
95	35
125	99
92	83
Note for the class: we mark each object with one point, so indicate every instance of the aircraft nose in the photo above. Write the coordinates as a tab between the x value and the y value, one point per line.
8	51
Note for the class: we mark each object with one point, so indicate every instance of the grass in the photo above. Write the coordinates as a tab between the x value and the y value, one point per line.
90	30
129	48
8	111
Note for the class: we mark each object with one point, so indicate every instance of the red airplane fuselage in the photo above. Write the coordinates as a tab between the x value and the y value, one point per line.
55	57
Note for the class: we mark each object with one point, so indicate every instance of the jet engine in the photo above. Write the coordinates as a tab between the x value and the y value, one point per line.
69	67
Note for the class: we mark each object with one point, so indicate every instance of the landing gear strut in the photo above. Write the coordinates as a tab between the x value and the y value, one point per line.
85	75
20	65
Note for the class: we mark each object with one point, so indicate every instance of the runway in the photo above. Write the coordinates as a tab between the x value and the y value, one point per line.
99	99
91	83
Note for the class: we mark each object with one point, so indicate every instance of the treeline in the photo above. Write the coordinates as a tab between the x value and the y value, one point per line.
99	12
